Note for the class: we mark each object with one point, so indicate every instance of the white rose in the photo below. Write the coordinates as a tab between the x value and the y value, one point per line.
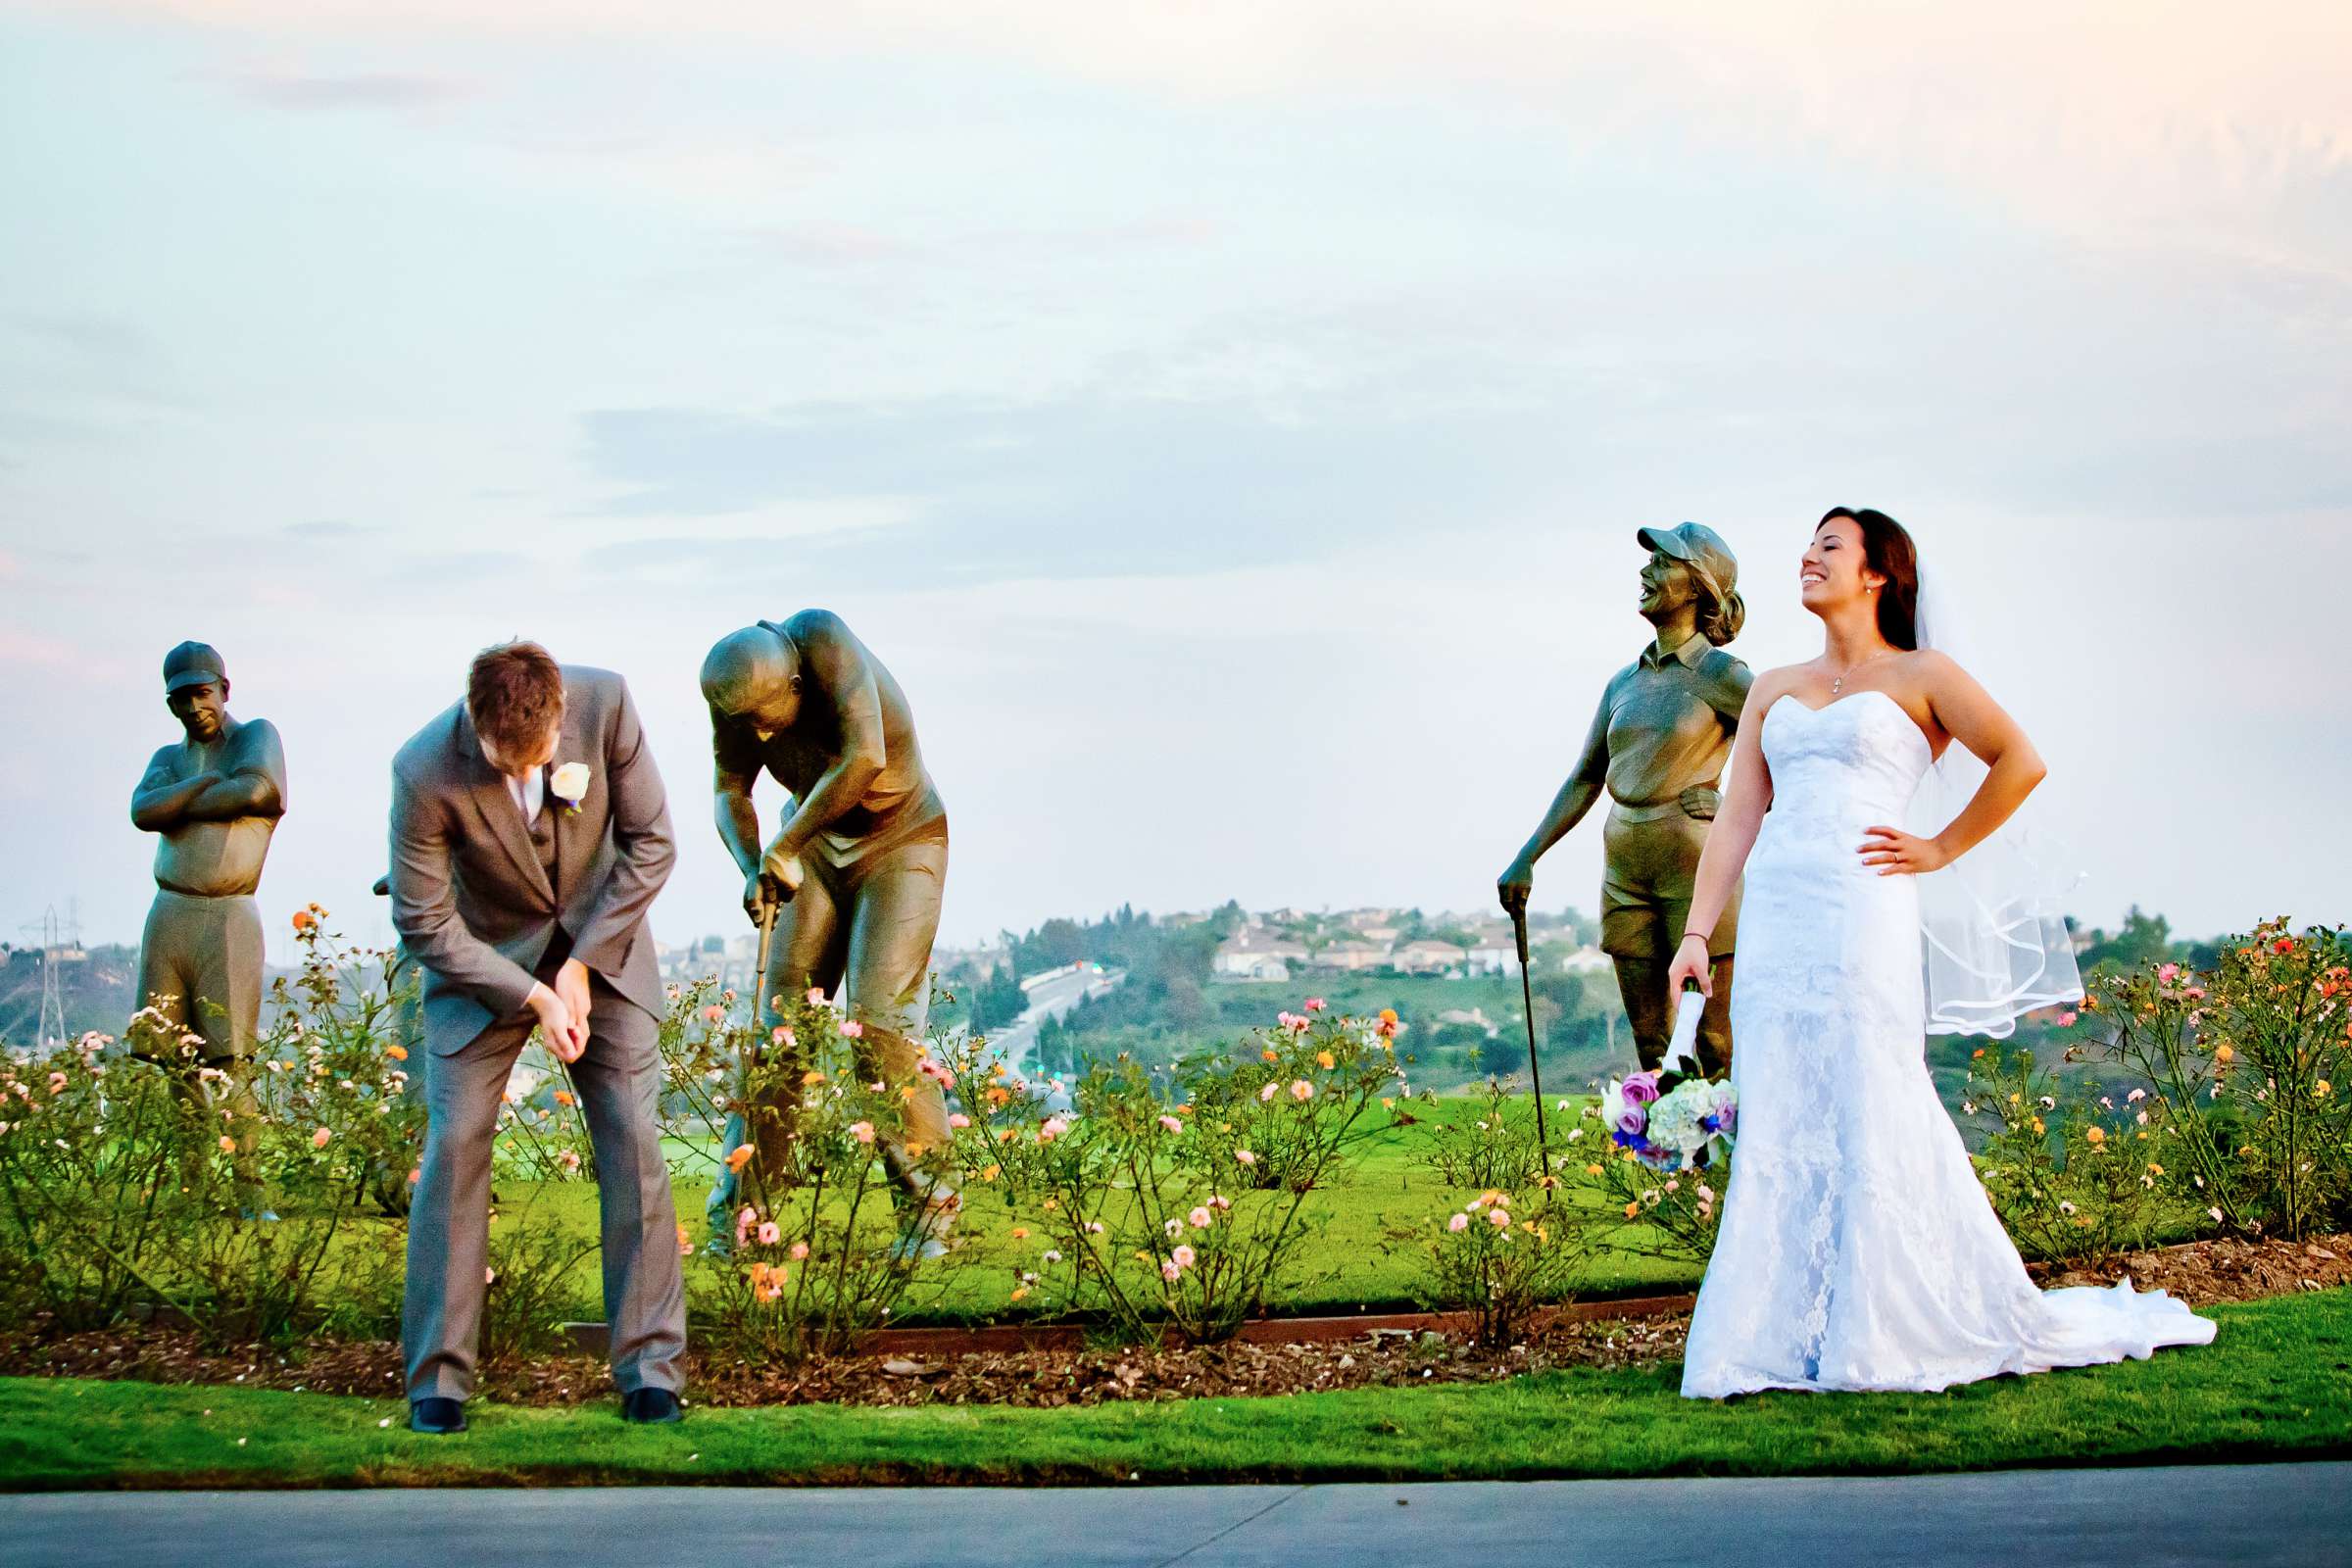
569	782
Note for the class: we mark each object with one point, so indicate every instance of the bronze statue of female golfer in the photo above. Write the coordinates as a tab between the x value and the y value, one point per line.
1658	746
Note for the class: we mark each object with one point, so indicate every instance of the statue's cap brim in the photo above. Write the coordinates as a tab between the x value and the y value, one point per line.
1693	542
192	664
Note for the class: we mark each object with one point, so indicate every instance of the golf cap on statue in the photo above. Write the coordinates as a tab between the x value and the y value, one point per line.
192	664
1698	547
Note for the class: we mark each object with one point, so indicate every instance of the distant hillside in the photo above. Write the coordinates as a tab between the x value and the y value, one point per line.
94	984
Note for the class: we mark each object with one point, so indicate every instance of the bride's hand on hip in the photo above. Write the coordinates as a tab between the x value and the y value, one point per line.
1691	963
1894	852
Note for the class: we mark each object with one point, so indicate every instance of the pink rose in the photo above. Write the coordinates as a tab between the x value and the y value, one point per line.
1458	1224
1640	1089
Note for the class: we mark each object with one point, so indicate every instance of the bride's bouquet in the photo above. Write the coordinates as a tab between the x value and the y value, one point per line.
1672	1118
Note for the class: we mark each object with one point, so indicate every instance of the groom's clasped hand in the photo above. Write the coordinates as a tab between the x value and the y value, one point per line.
563	1011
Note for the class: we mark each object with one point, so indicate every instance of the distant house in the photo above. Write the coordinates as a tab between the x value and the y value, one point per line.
1428	956
1352	957
1254	954
1499	953
1493	958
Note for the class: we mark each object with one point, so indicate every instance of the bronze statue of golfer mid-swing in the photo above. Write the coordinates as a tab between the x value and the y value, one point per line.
850	882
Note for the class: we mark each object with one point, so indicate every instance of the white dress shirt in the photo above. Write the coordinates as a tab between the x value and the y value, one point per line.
529	793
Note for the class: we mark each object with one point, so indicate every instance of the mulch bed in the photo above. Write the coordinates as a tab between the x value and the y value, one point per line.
1033	1379
2200	1273
2226	1269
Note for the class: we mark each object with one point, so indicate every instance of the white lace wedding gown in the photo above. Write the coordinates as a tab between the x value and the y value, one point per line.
1857	1250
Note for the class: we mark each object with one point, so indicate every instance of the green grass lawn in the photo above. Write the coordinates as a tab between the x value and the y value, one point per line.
2276	1385
1350	1258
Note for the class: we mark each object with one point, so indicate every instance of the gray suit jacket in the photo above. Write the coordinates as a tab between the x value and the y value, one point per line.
471	901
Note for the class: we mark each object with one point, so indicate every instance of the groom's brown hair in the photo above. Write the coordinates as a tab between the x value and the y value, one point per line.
514	694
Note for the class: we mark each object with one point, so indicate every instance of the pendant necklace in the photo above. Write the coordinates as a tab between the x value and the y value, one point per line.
1837	686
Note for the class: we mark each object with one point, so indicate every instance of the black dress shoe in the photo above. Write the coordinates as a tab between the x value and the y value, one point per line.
439	1418
651	1406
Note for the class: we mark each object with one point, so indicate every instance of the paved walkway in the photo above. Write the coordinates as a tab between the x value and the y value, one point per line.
2252	1515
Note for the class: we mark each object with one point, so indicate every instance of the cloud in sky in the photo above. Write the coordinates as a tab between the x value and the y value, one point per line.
1229	421
2052	102
361	90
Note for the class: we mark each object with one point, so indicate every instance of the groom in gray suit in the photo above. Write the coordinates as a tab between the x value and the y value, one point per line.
529	834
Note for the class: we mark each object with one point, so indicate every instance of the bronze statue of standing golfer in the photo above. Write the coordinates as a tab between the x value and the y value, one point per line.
1657	747
213	799
852	879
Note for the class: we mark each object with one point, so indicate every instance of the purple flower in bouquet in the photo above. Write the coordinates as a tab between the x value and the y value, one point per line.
1640	1089
1633	1121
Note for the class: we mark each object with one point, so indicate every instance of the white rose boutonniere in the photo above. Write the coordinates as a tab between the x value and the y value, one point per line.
569	784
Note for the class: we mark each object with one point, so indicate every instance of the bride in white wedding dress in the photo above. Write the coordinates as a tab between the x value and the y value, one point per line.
1857	1250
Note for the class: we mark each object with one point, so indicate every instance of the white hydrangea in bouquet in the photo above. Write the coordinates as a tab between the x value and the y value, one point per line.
1671	1116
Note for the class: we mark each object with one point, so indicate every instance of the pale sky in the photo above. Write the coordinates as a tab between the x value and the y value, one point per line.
1228	420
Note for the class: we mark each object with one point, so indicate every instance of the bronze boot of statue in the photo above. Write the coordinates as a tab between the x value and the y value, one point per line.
853	879
1657	748
213	799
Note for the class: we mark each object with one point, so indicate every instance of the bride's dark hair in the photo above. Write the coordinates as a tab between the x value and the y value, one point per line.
1888	550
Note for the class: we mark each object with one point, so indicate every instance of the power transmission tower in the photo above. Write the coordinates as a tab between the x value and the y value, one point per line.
50	1032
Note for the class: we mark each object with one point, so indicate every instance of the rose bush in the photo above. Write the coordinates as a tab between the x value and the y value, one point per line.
824	1241
2072	1169
1502	1255
133	1173
2246	1064
1171	1202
